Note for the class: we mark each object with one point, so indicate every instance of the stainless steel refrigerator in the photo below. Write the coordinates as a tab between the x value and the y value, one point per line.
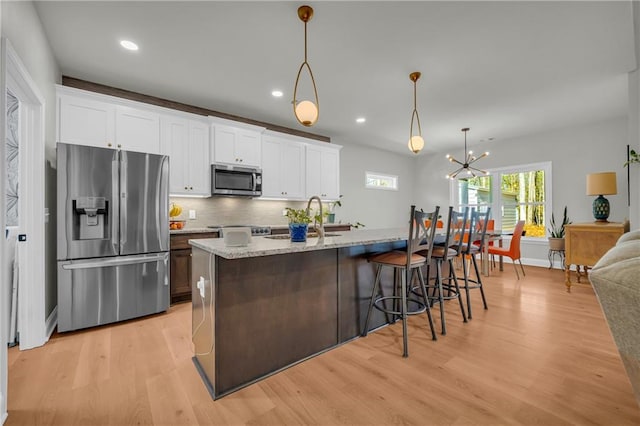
113	235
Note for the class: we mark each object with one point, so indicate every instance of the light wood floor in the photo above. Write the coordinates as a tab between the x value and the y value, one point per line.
538	356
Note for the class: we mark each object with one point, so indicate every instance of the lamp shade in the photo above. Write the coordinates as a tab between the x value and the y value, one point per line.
602	183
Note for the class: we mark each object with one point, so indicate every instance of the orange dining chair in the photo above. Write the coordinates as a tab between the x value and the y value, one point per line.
491	226
513	252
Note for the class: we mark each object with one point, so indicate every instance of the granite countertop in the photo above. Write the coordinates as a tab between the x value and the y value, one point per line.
192	230
265	246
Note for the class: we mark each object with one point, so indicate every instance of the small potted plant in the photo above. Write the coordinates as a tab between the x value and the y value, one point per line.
331	214
556	240
299	221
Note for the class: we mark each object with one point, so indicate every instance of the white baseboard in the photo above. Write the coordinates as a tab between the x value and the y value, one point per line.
52	321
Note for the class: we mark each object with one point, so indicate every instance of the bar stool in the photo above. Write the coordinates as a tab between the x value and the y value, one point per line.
472	246
445	251
406	263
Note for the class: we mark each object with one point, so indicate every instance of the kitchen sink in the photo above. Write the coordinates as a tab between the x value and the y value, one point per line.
309	235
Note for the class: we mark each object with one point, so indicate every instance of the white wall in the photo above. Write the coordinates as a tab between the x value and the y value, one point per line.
374	208
22	27
574	153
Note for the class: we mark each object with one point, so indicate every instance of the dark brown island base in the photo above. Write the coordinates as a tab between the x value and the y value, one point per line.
265	307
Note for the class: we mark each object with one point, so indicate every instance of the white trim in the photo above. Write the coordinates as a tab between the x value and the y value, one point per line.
31	293
52	322
4	289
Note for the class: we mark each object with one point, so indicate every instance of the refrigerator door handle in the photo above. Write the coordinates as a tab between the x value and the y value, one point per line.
117	261
123	201
115	208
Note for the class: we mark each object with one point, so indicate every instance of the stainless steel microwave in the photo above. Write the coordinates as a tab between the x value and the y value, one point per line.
236	181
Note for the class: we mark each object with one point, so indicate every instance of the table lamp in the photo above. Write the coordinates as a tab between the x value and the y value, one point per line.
601	184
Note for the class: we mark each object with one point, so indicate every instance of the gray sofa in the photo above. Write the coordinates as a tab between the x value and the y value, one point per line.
616	281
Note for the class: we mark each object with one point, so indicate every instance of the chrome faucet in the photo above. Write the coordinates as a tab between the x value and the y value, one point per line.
319	227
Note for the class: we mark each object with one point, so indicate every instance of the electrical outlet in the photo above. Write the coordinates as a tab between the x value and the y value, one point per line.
192	214
200	285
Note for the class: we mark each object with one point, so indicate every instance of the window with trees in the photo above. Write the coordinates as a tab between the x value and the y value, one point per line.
513	193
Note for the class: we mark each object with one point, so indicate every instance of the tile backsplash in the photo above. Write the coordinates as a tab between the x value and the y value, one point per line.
234	211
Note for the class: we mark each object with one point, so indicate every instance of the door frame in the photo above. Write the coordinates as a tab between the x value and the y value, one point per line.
31	292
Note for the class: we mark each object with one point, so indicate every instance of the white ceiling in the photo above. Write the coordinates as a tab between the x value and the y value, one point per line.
504	69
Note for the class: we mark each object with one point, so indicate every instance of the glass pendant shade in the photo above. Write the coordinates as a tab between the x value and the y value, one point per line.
306	111
416	143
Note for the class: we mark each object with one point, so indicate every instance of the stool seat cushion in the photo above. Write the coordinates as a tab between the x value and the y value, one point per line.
439	252
397	258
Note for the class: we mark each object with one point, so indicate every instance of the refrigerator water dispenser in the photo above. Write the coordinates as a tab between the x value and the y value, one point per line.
91	212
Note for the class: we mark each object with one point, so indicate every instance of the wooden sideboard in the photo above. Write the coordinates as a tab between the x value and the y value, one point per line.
586	243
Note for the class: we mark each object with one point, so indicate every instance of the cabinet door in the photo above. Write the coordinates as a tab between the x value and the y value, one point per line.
314	171
323	172
180	275
293	170
330	172
175	135
224	141
247	148
198	165
137	130
86	122
271	168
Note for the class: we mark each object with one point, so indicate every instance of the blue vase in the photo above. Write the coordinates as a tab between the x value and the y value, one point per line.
298	232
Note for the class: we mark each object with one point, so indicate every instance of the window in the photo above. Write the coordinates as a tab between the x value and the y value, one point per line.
513	193
381	181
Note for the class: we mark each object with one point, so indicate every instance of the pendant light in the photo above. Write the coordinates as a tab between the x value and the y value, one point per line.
469	159
306	111
416	143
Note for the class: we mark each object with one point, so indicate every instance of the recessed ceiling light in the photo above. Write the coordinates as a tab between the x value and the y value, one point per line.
129	45
277	93
360	120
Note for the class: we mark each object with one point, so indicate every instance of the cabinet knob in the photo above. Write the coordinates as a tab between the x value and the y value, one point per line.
191	188
119	146
108	144
186	187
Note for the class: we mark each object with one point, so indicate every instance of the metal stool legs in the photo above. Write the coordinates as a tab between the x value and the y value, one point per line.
468	281
453	291
405	283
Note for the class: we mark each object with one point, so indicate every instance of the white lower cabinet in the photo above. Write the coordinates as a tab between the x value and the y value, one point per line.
187	144
323	172
283	168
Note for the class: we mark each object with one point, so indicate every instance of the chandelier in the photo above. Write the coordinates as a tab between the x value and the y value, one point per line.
469	159
306	111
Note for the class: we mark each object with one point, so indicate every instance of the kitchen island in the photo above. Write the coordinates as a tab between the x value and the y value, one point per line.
267	306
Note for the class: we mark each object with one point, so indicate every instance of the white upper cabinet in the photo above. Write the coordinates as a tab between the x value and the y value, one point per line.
86	122
283	168
86	118
236	145
137	130
187	144
323	171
